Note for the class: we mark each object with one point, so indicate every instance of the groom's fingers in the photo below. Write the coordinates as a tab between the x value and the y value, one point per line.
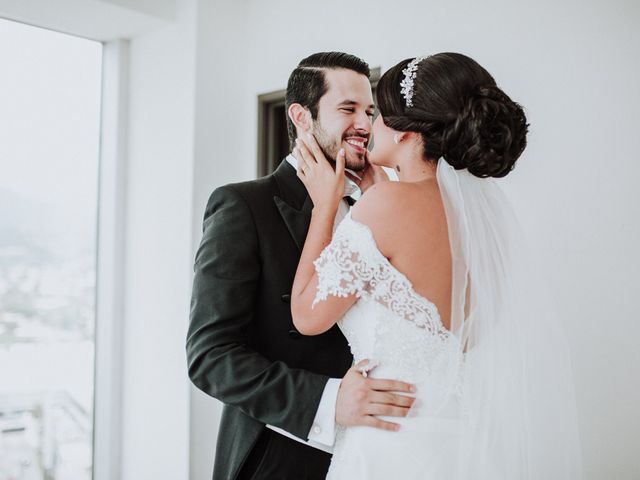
360	399
391	386
374	422
391	399
386	410
361	363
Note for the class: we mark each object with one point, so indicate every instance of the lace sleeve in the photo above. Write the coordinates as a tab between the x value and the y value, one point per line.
350	264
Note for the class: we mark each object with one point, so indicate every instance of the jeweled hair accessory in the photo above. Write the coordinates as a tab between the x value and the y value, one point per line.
410	73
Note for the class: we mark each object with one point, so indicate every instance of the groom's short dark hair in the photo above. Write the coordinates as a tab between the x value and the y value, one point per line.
307	82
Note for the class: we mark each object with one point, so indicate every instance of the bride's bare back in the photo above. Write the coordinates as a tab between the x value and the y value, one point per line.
409	225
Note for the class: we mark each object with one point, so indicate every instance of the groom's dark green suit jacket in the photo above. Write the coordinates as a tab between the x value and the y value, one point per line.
242	347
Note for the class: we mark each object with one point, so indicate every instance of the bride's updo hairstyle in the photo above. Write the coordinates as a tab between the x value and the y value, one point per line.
459	111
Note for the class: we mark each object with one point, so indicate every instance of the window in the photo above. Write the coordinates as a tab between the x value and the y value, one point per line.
50	92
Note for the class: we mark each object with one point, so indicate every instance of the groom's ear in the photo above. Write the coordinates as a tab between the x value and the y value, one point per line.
300	116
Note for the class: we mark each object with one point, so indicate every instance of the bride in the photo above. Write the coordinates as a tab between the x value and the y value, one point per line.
429	280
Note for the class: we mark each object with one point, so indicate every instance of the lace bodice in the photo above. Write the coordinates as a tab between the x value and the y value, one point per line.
390	323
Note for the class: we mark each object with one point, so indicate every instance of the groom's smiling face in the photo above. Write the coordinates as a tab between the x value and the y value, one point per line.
344	117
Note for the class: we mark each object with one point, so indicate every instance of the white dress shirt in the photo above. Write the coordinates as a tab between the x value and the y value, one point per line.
323	430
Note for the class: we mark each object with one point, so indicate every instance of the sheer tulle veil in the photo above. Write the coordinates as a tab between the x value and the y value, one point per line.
513	375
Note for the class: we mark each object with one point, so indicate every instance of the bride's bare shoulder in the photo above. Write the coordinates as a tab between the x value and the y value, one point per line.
387	209
383	196
387	198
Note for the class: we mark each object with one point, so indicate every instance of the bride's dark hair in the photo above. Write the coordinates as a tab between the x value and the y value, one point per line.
460	113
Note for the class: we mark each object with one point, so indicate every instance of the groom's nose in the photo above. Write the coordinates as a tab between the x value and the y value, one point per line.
362	123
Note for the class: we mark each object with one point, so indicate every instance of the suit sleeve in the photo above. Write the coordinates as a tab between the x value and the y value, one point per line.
221	364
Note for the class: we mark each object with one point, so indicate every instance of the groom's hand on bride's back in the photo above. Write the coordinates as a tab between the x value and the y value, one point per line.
361	400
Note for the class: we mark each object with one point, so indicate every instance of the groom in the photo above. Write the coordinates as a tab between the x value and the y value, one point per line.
283	393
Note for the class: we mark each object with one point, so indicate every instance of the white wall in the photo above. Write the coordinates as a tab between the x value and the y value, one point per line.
158	250
574	67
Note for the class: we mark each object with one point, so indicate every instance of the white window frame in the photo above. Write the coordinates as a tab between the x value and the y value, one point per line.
110	256
110	292
113	24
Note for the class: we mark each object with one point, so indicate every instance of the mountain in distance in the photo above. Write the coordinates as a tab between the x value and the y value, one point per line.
23	223
45	231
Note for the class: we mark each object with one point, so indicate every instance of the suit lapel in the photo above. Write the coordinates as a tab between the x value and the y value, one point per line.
293	203
297	221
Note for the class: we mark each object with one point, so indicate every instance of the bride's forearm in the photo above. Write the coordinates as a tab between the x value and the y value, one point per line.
318	237
307	320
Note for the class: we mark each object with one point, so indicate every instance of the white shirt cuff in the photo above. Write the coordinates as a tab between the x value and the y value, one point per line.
323	429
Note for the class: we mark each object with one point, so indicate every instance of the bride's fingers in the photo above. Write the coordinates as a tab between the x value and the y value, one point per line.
301	175
302	163
311	143
340	161
296	153
309	161
306	151
308	164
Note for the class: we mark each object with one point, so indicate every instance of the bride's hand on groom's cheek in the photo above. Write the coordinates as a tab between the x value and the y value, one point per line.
361	400
324	183
369	176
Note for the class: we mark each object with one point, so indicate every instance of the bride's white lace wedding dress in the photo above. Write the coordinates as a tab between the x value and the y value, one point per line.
400	331
495	398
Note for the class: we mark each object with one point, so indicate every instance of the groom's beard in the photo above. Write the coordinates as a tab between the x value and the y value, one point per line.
331	146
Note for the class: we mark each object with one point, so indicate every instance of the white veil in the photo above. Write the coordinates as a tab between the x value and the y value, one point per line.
517	399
